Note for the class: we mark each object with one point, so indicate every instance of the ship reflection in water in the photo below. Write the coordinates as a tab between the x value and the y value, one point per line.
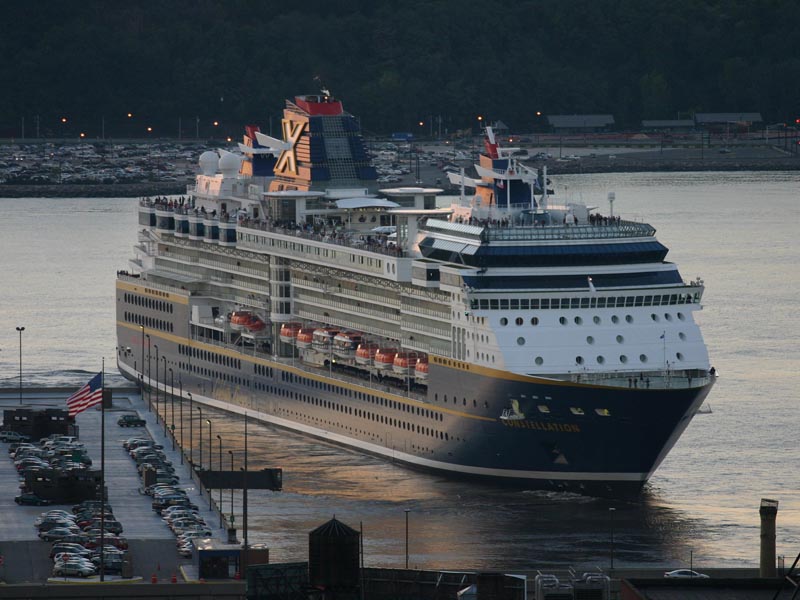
452	524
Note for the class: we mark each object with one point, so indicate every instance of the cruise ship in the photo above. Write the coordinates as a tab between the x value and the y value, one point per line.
506	336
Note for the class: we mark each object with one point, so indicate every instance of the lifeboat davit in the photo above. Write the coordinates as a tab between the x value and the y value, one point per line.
304	338
421	369
404	363
289	332
365	354
384	358
321	338
239	319
345	343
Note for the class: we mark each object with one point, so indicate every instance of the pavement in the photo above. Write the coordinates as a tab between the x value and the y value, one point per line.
152	545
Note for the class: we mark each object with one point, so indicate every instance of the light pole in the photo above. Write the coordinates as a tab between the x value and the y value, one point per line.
20	330
210	459
171	404
191	429
149	386
200	435
157	415
180	387
219	508
164	358
611	512
408	510
141	376
230	521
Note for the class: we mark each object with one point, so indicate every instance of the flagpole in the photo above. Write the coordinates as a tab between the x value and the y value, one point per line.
102	472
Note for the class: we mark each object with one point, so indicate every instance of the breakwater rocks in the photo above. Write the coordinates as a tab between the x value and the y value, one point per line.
100	190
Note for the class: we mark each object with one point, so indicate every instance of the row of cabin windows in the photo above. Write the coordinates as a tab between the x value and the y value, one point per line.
585	302
212	374
361	413
146	302
377	400
212	357
148	322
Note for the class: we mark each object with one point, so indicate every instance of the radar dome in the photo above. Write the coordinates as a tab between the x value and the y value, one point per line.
229	163
209	161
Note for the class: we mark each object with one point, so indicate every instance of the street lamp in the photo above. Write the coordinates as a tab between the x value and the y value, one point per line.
171	403
611	512
180	387
149	382
191	429
156	347
231	519
210	459
408	510
219	508
141	376
164	358
20	330
200	409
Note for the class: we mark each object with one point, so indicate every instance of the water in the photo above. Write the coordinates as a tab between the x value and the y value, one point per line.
737	231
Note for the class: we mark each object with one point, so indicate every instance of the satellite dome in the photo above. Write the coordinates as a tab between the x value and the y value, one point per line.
209	161
229	163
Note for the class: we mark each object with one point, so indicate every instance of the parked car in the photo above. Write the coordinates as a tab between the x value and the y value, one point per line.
59	533
685	574
131	421
31	499
73	569
13	436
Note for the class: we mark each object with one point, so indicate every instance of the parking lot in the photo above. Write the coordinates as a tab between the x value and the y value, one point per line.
152	545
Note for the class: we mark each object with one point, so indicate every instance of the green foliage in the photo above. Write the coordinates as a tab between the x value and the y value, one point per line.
393	63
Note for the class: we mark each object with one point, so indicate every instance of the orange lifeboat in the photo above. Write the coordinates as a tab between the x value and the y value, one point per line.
289	332
384	358
240	318
404	362
365	354
254	323
421	369
345	343
321	338
304	338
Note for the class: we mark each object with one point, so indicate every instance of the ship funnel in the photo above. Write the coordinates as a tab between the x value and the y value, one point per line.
768	512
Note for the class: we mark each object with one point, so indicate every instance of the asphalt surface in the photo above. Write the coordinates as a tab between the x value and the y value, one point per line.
152	544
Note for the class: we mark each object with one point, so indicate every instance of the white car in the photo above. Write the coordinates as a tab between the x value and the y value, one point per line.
685	574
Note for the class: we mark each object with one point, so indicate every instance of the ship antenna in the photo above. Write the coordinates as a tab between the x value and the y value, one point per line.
323	88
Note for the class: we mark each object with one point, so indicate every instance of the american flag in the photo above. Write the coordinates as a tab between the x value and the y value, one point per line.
86	397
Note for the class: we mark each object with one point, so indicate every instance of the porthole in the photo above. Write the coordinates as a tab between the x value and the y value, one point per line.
620	339
681	316
623	359
534	320
590	340
679	356
579	360
603	412
597	320
520	341
543	408
578	321
562	320
643	358
539	360
503	321
629	318
576	411
655	317
668	316
682	335
600	360
519	321
614	319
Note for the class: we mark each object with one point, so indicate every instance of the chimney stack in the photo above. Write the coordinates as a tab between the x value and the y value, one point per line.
768	512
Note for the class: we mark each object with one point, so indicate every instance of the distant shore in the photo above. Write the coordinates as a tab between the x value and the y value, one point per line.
583	160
